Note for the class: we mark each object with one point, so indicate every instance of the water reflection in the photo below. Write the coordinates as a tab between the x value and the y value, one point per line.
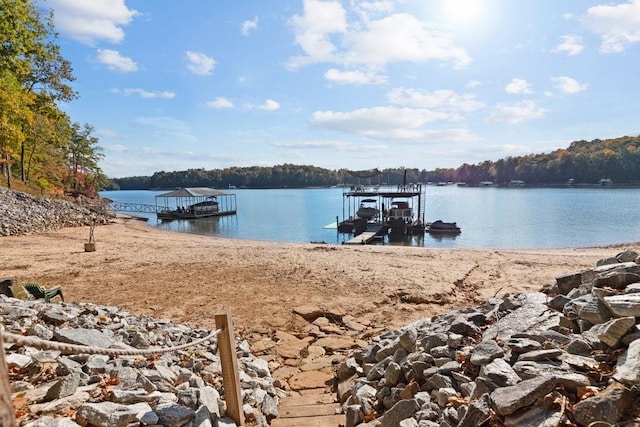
390	239
205	226
443	237
407	240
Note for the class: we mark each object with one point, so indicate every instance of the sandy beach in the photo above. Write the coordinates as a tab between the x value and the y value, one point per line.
188	278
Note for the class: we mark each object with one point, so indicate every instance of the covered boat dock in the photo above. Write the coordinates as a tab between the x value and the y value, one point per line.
195	202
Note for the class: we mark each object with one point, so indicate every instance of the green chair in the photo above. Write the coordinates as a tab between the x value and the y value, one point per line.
40	292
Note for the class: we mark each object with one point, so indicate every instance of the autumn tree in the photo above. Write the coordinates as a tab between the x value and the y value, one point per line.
15	114
35	134
83	154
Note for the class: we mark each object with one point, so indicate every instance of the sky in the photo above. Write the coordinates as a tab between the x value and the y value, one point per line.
174	85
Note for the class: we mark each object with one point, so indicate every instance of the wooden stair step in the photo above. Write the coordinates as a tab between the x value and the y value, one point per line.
314	410
324	421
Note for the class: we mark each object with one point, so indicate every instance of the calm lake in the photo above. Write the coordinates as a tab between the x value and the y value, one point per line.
506	218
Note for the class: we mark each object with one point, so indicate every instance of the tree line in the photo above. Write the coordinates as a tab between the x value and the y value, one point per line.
583	162
39	144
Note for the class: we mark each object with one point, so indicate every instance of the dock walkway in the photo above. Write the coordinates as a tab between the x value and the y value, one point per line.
372	232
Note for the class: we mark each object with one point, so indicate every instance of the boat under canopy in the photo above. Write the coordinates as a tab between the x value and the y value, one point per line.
393	210
195	202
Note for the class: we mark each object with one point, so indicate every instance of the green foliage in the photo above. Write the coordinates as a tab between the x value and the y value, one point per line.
583	162
36	137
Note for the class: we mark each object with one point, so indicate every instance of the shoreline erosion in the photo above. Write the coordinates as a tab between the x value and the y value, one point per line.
189	277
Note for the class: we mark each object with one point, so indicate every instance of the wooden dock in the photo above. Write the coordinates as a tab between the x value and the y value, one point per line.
372	232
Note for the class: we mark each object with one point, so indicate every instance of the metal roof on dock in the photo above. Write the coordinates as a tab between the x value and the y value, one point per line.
194	192
408	190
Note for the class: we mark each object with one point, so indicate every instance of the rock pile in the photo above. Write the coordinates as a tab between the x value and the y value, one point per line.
22	213
567	356
178	388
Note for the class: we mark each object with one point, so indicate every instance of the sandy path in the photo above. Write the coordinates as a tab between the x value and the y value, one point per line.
188	278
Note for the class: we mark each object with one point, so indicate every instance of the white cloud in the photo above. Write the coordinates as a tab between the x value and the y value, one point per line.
518	87
220	102
446	100
332	146
369	9
269	105
116	62
401	37
313	30
325	36
117	148
518	112
354	77
618	25
570	44
89	21
473	84
567	85
107	133
376	118
248	26
326	145
391	123
145	93
200	64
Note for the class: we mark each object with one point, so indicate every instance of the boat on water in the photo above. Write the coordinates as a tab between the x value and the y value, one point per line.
194	203
401	219
196	210
440	227
368	209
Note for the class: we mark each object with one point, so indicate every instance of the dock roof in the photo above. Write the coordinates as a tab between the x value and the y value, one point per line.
194	192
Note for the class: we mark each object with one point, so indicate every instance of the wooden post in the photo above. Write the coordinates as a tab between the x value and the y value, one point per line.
6	406
229	362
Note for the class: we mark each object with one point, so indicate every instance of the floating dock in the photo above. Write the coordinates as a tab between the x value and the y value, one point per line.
372	232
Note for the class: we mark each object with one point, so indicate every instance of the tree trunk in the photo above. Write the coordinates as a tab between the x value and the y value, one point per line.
8	165
22	155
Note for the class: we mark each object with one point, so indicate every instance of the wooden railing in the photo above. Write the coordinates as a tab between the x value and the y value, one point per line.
228	361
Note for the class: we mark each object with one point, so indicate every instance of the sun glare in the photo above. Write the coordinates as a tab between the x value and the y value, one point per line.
463	12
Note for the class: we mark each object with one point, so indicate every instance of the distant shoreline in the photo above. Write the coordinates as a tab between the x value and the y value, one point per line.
455	184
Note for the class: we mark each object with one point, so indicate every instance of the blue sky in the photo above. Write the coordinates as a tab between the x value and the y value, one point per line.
173	85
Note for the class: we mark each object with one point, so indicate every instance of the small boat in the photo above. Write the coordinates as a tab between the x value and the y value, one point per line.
400	209
366	210
440	227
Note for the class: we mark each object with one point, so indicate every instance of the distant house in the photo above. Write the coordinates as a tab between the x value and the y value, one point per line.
516	183
605	181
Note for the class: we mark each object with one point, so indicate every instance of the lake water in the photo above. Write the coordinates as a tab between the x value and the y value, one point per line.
507	218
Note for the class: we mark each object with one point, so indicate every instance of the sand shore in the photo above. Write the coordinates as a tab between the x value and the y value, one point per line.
188	278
